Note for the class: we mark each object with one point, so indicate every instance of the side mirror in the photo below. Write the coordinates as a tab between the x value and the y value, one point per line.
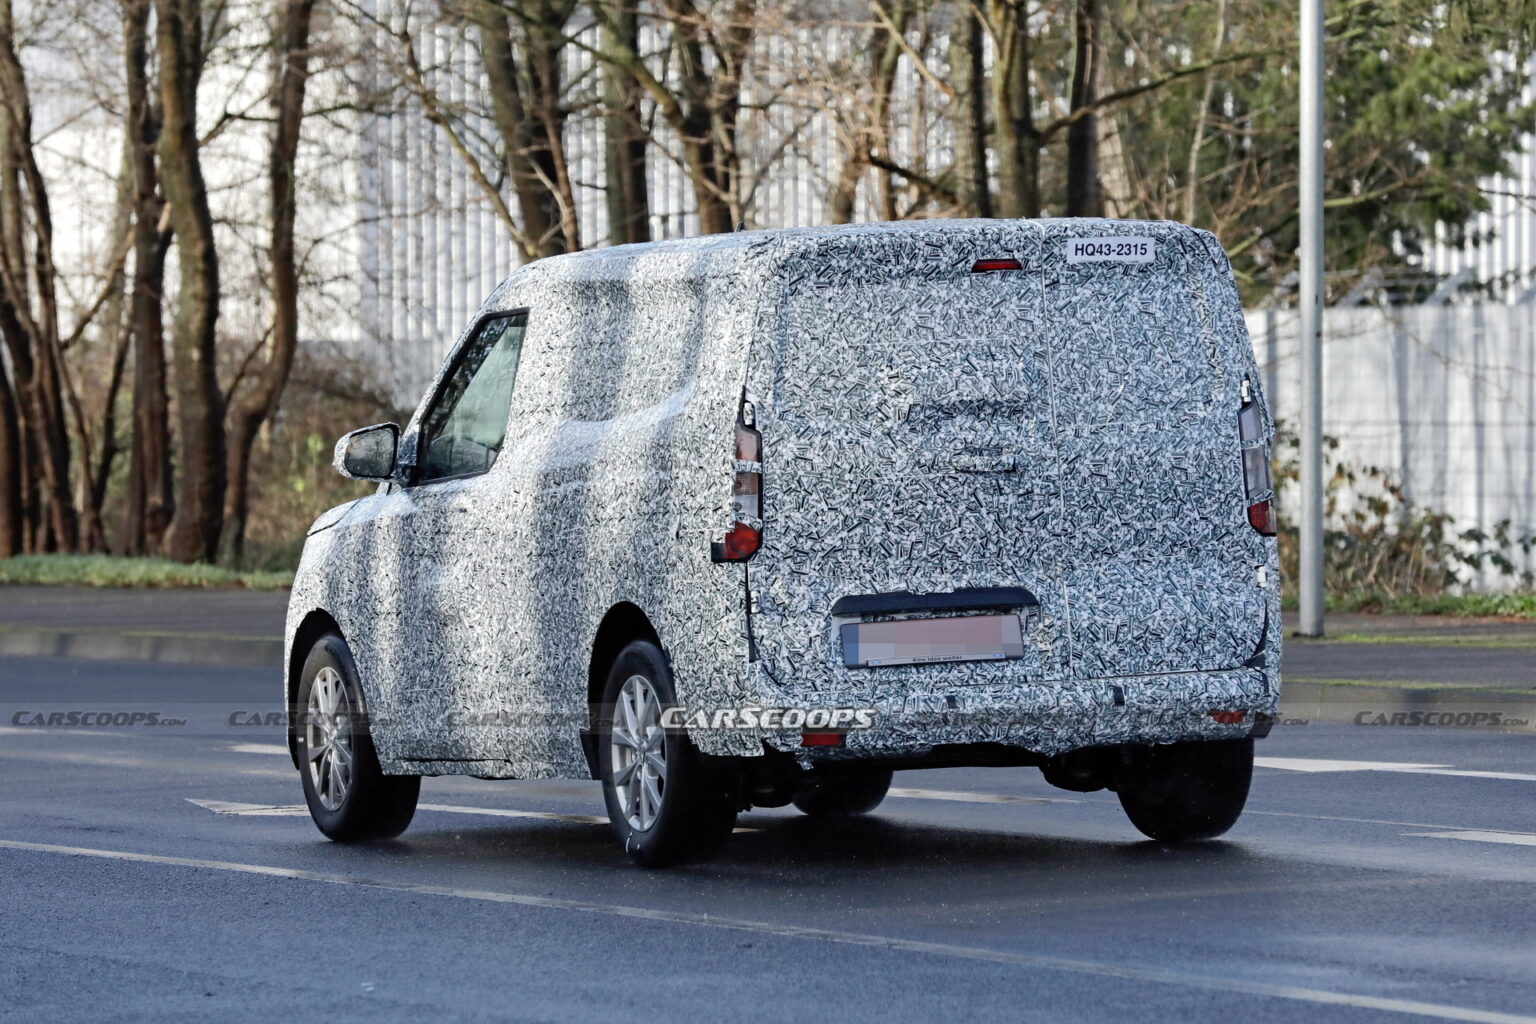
368	453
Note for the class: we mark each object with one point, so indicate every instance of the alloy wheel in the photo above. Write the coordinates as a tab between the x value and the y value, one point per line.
328	737
638	748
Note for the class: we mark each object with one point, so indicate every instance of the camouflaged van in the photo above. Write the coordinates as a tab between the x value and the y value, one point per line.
756	519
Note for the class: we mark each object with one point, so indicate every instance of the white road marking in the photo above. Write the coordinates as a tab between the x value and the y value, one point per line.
1307	764
300	811
1474	835
1029	960
1516	776
976	798
258	748
500	812
252	810
49	730
1362	821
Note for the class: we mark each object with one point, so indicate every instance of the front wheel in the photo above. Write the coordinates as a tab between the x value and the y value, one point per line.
349	796
1181	792
666	801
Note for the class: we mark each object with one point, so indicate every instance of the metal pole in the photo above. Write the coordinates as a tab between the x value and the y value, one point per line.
1311	309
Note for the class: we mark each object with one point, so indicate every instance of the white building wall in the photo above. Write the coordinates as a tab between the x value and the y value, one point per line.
1442	398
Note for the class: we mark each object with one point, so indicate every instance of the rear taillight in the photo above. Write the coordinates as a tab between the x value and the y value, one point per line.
1256	482
746	534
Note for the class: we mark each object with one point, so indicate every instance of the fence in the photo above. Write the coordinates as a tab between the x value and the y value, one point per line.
1442	398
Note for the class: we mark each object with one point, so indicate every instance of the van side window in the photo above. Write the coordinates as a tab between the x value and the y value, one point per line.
464	431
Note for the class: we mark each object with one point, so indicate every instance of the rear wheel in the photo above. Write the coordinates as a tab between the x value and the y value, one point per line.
842	793
349	797
666	801
1188	791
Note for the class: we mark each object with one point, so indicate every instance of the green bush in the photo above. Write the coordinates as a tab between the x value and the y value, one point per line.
1382	553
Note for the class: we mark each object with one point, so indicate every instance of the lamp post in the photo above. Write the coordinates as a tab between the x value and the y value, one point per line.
1310	583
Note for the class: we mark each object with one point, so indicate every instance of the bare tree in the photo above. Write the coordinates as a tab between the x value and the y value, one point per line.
252	407
522	56
969	77
1083	194
29	315
149	502
195	528
1018	140
865	115
1192	174
703	107
12	520
625	136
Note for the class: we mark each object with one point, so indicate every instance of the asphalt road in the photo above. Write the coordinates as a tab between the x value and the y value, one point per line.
166	873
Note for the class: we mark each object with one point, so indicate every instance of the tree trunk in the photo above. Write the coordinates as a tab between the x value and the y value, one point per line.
18	504
248	411
1083	195
545	43
702	107
29	318
870	129
709	98
97	465
194	532
1018	140
150	501
1192	174
11	521
105	459
968	76
625	139
522	58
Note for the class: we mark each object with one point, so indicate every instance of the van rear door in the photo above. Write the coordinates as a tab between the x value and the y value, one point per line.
1150	353
908	446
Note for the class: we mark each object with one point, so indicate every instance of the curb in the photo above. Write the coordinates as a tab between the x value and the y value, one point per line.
161	648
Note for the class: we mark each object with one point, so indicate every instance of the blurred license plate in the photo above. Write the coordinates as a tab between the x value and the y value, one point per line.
924	641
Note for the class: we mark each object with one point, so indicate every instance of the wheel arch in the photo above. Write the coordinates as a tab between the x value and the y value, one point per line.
621	624
315	625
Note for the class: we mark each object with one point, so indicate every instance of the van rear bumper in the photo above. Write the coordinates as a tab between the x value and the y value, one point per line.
1051	718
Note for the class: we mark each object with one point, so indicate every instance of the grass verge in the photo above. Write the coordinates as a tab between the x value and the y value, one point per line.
1518	605
117	571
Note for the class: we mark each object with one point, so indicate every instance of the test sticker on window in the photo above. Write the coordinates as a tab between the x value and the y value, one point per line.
1112	249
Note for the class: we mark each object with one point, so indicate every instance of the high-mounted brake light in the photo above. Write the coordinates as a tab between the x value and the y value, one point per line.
1255	454
745	536
982	266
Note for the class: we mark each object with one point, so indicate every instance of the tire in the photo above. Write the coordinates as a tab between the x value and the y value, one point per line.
348	804
841	794
1184	792
666	802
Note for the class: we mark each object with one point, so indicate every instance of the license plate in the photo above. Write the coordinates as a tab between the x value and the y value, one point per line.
928	641
1112	249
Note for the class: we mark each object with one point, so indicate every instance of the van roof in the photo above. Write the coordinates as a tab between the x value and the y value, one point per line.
700	256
